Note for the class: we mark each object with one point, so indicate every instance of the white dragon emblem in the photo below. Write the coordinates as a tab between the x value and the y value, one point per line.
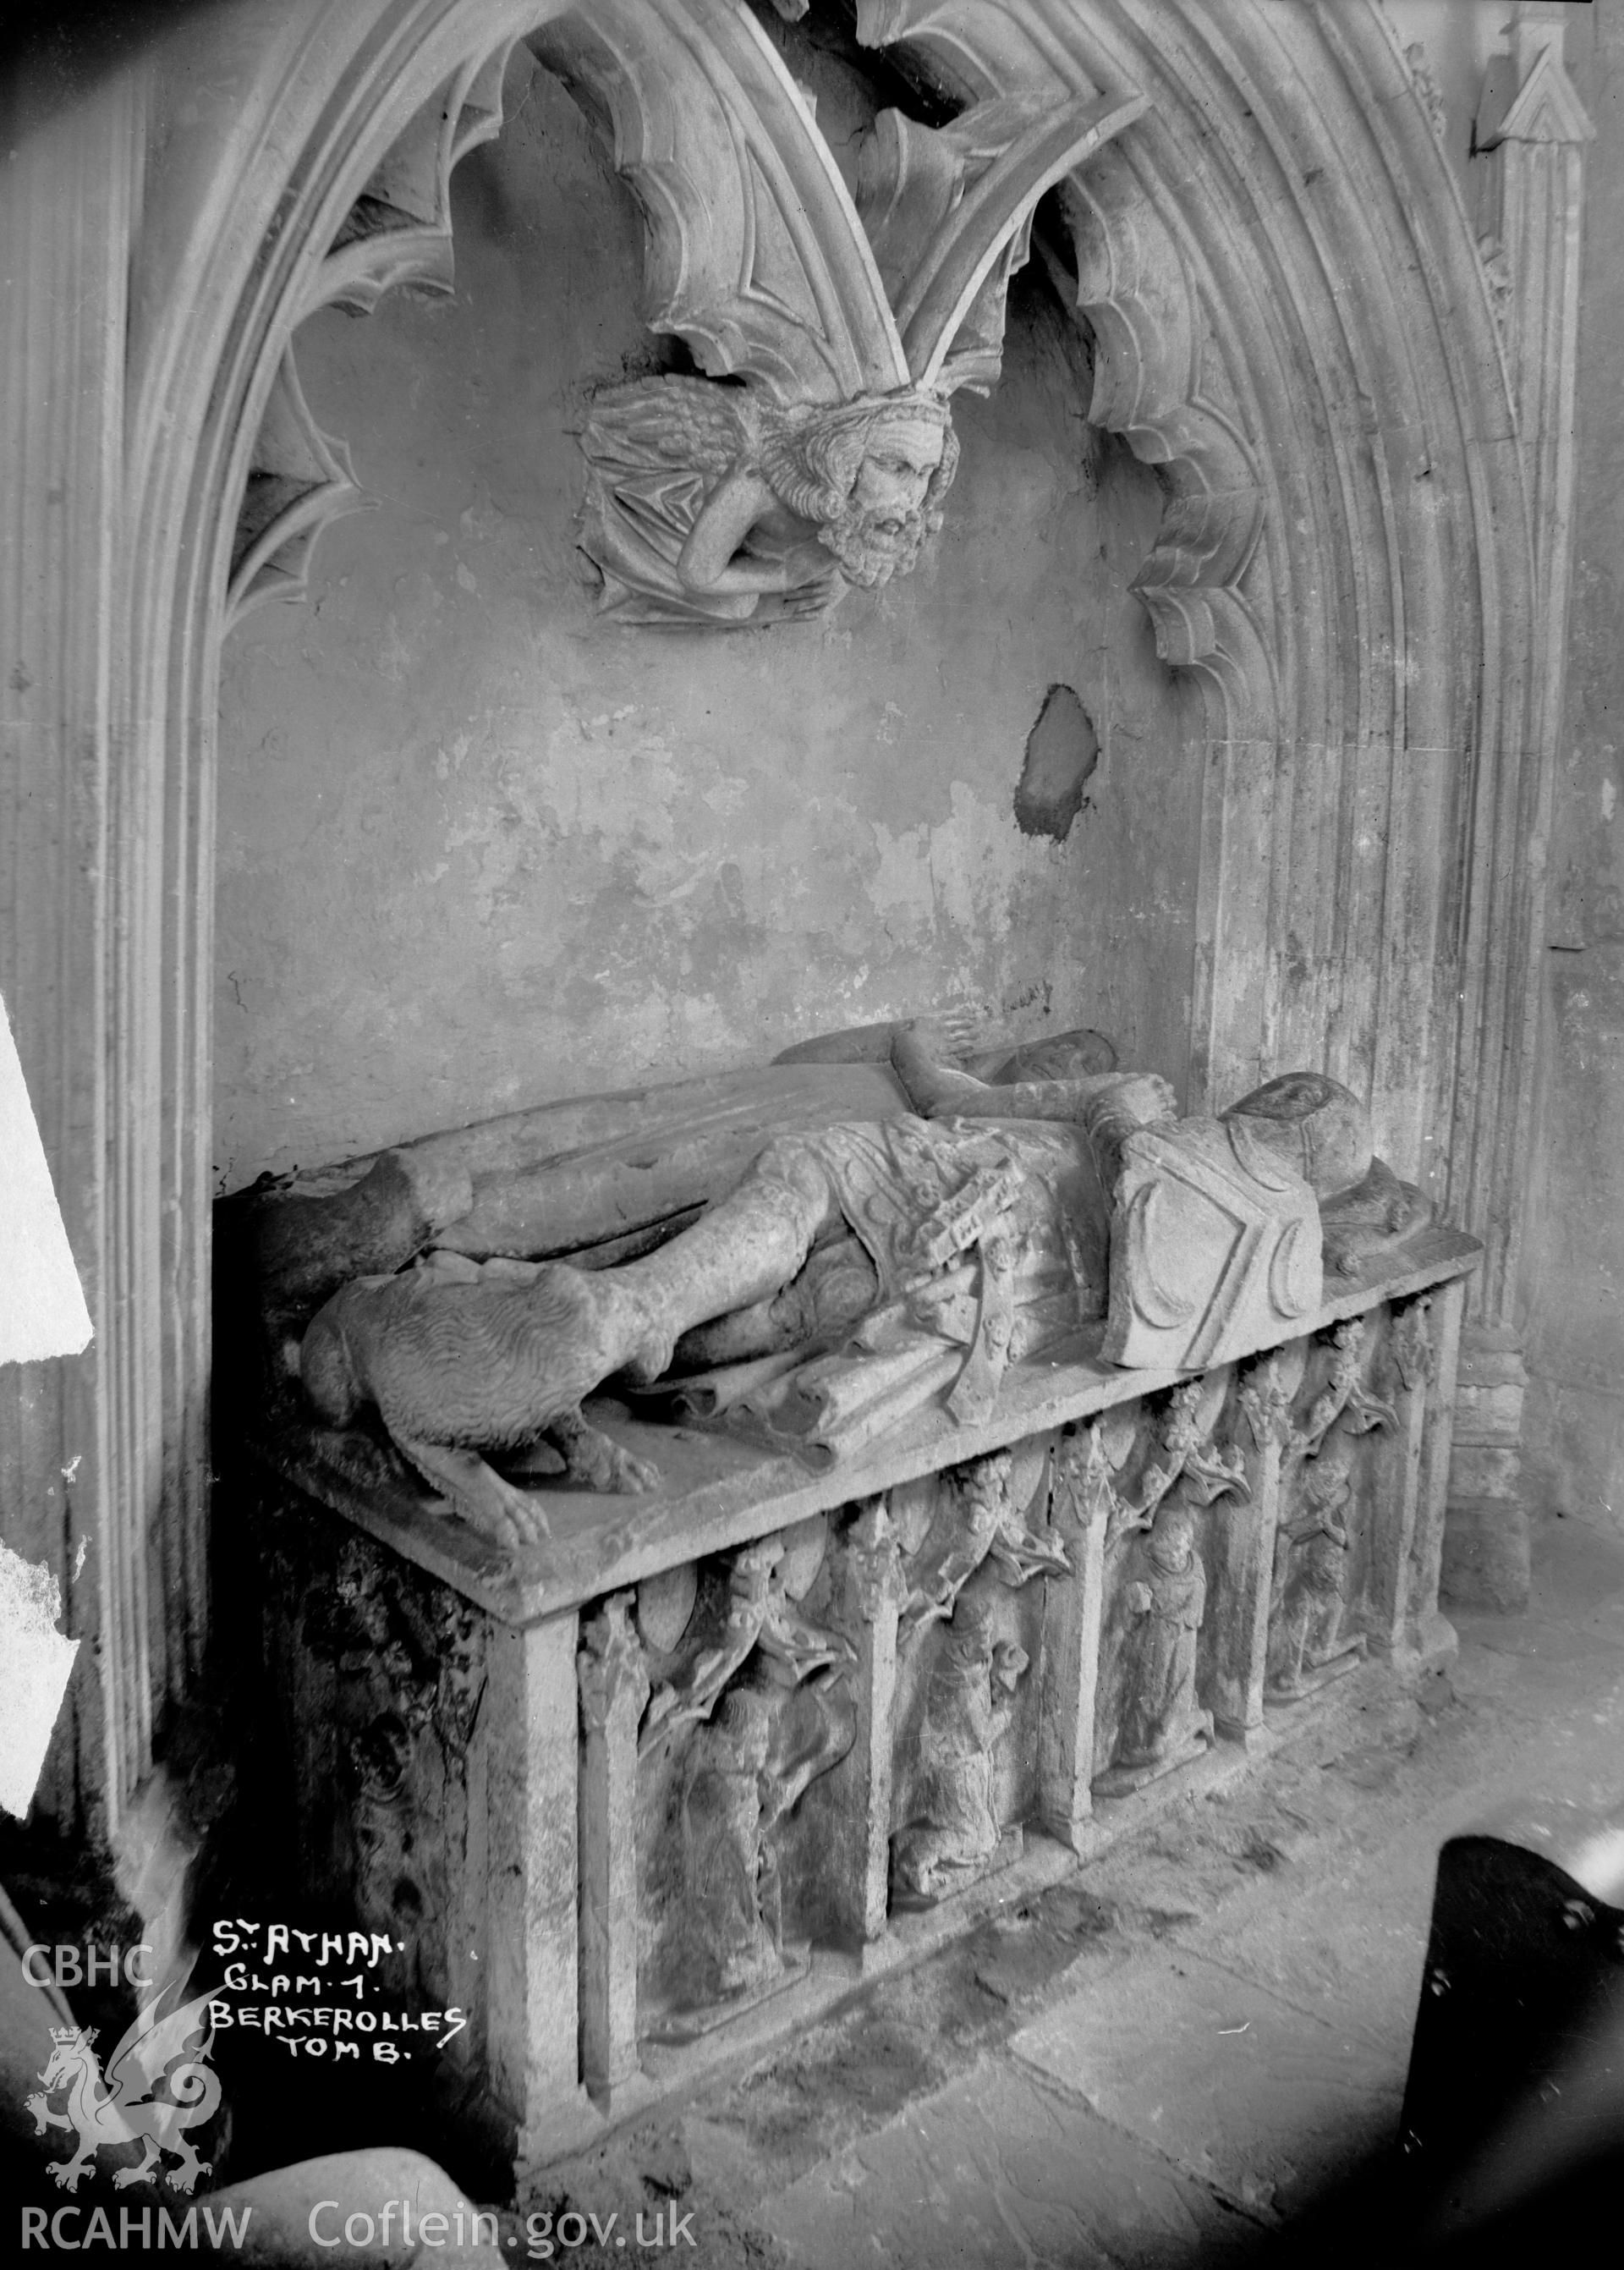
120	2108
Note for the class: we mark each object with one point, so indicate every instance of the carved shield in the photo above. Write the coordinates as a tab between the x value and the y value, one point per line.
1216	1249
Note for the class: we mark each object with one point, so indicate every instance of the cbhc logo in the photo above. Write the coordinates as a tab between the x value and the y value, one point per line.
43	1964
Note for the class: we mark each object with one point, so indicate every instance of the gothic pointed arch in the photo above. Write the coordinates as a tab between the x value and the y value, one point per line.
1291	321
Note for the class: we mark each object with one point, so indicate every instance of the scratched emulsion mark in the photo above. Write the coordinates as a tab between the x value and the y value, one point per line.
35	1663
42	1308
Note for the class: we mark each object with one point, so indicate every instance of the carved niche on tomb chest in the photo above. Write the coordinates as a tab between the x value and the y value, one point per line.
1149	1715
1321	1549
749	1704
970	1630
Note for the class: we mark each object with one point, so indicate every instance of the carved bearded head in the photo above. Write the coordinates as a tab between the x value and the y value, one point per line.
870	476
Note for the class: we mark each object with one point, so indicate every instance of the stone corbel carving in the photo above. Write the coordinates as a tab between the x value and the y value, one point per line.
717	506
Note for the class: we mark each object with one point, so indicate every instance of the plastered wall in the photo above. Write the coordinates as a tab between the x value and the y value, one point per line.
479	851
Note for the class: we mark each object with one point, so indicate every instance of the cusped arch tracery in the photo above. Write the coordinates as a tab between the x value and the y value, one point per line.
396	232
758	261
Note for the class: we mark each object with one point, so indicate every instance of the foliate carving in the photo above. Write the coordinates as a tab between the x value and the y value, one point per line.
1410	1344
874	1558
389	1669
1497	275
420	1645
1019	1553
953	1831
1087	1465
1267	1401
1152	1721
611	1666
1426	89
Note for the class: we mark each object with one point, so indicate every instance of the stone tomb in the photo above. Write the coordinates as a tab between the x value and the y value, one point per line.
676	1777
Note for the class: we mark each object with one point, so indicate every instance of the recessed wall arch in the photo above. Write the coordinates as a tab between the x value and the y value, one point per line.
1291	321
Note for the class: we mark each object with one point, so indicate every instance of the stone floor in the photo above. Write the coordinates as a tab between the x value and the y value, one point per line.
1170	2055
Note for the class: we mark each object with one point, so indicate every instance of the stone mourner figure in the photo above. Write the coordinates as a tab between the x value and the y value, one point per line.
952	1830
1162	1722
859	1270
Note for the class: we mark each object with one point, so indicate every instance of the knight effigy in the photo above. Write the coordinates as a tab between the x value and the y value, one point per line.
806	1256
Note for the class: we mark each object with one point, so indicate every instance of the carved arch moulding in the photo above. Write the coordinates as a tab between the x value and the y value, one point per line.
1289	319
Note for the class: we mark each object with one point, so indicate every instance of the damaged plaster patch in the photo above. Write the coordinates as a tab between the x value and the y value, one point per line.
1062	752
35	1663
